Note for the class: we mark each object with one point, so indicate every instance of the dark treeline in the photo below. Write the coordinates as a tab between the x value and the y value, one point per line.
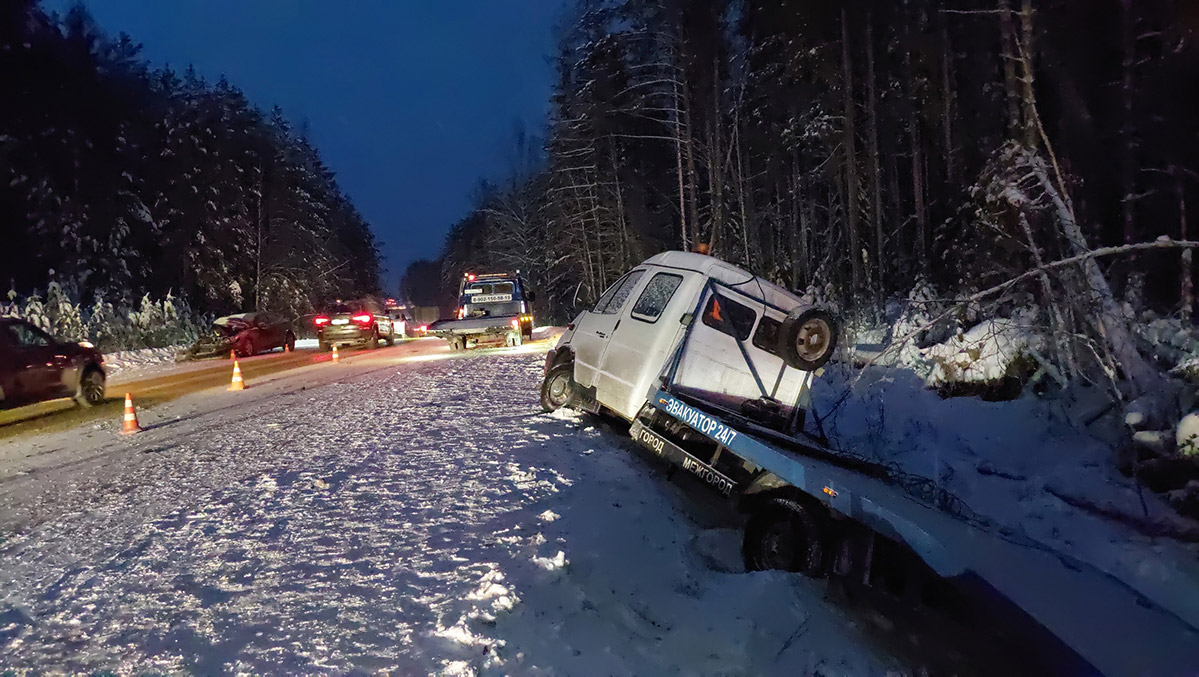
858	146
118	180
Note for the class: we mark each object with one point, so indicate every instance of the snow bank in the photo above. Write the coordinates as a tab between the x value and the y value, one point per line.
126	361
1021	464
986	353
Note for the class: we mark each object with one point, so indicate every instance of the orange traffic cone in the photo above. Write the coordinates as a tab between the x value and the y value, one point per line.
130	425
286	349
238	383
335	353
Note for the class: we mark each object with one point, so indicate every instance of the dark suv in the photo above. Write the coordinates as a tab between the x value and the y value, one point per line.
360	322
34	366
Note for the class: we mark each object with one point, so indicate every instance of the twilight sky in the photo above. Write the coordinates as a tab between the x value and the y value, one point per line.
409	101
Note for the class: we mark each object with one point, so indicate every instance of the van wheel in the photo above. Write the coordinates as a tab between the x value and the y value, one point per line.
783	534
808	339
558	387
91	388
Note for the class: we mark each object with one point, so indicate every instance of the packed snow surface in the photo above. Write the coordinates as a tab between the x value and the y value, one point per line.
420	516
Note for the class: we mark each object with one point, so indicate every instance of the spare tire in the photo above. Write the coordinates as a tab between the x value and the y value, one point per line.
808	338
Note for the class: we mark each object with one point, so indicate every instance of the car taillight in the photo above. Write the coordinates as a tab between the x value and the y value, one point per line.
320	321
424	327
362	319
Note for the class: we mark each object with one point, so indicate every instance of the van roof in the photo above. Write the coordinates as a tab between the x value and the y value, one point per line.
727	273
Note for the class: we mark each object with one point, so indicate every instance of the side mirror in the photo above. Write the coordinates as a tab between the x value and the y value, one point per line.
531	296
686	319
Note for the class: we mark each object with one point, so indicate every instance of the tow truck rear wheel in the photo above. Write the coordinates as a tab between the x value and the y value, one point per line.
558	387
783	534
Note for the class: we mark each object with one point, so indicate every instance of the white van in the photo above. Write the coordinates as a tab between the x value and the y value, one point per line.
705	328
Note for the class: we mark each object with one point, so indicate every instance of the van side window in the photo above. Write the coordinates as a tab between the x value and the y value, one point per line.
767	335
613	299
607	296
657	294
727	316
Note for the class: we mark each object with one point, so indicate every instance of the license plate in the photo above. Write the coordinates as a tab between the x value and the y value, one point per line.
341	321
491	298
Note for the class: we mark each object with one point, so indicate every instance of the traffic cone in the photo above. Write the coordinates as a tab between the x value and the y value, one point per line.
335	353
286	349
238	383
233	354
130	425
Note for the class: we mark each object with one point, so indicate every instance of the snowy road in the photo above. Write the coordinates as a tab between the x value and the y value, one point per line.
408	511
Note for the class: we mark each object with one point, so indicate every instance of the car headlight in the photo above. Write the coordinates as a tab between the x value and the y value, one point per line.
86	344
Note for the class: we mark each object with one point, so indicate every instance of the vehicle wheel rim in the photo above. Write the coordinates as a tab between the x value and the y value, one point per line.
558	388
813	340
93	390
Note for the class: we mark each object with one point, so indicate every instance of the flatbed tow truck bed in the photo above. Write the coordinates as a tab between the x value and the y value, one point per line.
1069	617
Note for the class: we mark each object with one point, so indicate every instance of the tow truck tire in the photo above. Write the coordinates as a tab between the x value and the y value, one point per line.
783	534
808	339
558	387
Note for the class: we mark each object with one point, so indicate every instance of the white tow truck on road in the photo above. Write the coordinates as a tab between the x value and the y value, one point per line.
712	366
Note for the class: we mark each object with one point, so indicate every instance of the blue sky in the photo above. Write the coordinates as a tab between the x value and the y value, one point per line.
410	101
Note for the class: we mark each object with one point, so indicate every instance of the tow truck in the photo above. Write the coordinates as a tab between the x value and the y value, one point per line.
493	308
712	366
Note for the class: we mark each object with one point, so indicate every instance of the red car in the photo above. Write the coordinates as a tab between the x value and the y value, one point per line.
245	334
34	366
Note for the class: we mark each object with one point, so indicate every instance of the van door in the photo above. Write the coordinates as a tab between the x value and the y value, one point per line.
641	343
595	327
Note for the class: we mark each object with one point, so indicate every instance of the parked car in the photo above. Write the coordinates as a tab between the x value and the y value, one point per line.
360	322
245	334
745	333
35	366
